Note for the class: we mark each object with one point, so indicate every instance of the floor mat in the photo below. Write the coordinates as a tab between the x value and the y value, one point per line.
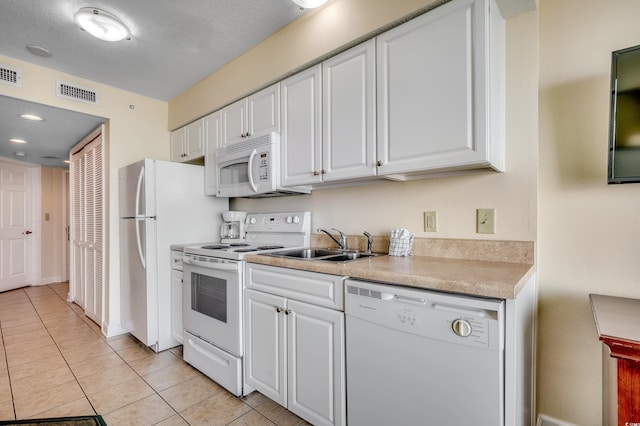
61	421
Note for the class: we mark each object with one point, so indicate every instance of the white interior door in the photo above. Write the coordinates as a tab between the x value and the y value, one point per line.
16	226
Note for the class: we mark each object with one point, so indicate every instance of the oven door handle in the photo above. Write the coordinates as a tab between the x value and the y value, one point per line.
226	266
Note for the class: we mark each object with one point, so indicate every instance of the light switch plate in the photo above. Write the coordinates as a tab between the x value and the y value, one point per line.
431	221
486	221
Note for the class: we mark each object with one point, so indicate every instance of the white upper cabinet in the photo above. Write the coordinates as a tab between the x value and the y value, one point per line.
264	110
440	96
349	114
177	144
301	137
257	113
212	127
187	143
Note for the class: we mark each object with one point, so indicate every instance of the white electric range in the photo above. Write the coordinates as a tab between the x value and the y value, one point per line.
213	297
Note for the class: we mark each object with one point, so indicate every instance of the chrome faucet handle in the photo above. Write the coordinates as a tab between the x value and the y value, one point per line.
369	241
343	239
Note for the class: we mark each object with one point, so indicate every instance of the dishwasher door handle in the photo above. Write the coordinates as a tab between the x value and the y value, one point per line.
416	300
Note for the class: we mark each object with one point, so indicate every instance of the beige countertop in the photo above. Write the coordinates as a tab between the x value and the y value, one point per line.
496	279
616	317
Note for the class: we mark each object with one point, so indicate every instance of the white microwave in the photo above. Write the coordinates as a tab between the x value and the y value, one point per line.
251	168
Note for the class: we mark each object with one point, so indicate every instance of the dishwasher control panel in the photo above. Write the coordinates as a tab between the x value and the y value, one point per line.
453	318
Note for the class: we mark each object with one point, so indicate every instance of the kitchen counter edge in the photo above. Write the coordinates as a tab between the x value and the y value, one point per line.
501	280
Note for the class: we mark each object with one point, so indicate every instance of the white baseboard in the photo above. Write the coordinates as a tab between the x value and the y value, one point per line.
51	280
113	330
544	420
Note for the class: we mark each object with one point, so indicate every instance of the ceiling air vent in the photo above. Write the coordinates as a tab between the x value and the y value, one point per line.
76	93
11	76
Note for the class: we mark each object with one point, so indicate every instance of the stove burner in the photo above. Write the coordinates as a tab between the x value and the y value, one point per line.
215	247
238	244
269	247
245	250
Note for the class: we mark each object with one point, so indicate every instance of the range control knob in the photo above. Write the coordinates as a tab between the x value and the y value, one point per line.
253	220
289	219
296	219
461	327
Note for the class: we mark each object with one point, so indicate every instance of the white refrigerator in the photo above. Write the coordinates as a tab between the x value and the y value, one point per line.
161	203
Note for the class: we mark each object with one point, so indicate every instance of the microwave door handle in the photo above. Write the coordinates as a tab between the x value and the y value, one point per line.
251	183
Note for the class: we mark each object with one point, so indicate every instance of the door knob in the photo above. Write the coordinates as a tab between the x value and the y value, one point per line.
27	232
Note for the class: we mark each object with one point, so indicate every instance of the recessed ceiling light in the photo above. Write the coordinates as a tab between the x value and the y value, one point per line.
15	140
31	117
309	4
102	24
20	154
39	50
66	161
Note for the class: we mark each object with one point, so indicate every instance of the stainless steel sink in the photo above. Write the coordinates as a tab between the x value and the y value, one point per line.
330	255
307	253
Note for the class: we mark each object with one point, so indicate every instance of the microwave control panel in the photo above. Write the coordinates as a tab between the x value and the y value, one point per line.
263	166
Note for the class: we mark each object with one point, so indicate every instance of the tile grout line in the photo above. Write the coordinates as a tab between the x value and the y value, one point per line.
6	361
58	347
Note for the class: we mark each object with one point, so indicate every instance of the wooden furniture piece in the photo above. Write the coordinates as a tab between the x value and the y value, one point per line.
618	324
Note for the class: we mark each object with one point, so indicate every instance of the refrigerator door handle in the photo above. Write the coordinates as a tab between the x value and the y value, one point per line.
138	192
139	242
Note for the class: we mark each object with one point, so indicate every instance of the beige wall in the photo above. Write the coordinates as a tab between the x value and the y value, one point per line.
53	234
589	236
132	134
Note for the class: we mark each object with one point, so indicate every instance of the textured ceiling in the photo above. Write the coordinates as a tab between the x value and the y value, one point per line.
50	140
174	44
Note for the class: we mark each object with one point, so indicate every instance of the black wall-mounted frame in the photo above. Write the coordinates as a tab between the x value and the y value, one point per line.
624	120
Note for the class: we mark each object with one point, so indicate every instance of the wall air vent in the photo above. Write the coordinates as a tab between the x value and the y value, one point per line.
76	93
11	76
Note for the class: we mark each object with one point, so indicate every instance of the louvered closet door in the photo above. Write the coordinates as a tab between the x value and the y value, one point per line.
93	229
88	228
77	237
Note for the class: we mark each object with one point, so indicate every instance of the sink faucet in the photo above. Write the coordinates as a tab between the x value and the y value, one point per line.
369	241
343	238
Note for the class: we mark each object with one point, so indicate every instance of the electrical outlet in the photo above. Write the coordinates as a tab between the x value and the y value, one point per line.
430	221
486	221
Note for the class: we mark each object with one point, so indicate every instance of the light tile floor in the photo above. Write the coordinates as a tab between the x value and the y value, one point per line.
54	362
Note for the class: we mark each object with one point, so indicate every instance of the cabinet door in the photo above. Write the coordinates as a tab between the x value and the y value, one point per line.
316	360
177	144
212	129
301	138
194	141
265	345
176	305
264	111
349	133
234	122
431	81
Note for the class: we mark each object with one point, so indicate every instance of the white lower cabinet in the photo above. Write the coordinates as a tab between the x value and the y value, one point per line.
176	295
295	352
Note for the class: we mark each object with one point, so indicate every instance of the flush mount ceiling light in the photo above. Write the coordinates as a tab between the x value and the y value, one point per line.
309	4
101	24
20	154
14	140
31	117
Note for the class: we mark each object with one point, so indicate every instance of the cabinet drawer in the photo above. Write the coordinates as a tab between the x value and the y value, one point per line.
311	287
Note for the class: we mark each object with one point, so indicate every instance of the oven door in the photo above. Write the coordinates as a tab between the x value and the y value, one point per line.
212	302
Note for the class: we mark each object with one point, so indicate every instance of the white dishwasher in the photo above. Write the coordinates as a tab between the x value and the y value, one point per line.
418	357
